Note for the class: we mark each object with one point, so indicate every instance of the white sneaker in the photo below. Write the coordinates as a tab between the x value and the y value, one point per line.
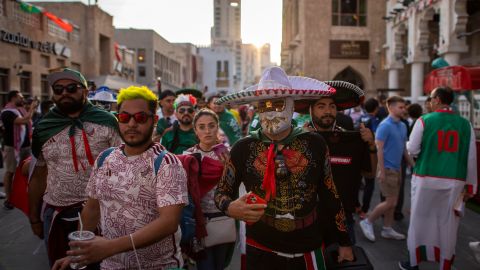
392	234
2	195
367	229
475	247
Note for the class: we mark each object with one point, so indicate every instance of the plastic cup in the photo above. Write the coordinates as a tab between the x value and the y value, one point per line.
79	236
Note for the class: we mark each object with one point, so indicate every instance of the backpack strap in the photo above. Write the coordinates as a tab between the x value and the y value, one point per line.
158	161
176	137
101	158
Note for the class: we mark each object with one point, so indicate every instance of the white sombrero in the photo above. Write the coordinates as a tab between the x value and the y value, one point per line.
276	84
104	96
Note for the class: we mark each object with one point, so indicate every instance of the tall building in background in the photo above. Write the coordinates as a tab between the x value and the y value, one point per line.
226	37
218	63
251	64
228	31
227	22
229	65
265	60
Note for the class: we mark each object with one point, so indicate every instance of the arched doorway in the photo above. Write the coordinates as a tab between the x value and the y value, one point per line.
351	76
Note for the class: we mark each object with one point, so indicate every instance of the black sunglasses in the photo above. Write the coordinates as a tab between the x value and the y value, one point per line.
70	88
183	110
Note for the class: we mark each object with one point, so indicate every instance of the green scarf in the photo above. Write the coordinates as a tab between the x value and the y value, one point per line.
55	121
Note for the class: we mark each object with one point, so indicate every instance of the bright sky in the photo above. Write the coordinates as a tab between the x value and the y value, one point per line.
191	20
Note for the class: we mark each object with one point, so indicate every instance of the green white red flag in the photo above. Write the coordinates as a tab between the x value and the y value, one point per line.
29	8
32	9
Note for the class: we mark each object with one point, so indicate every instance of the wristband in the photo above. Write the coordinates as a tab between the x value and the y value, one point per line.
36	222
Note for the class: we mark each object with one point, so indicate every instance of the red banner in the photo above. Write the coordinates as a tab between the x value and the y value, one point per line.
63	24
458	78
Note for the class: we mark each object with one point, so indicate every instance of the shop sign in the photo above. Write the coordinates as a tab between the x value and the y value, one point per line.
43	46
349	49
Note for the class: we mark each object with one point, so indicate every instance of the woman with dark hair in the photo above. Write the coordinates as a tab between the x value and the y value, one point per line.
214	155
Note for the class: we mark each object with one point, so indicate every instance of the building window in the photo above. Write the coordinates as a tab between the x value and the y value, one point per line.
141	72
45	88
141	55
219	68
349	12
225	68
3	85
45	61
77	67
26	83
24	17
25	57
56	31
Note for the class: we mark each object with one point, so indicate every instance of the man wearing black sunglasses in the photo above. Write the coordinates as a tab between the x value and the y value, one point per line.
66	142
181	136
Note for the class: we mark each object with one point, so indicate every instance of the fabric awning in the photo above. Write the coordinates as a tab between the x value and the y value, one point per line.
459	78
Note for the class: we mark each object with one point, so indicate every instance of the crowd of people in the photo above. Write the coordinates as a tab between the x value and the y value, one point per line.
174	181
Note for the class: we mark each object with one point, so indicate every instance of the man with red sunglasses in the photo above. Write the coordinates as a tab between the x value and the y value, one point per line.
65	143
136	194
181	136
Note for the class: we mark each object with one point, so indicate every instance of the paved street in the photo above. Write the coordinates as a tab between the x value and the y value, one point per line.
21	250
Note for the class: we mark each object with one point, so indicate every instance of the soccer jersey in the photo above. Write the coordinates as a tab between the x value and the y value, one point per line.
130	192
445	168
65	186
178	140
445	146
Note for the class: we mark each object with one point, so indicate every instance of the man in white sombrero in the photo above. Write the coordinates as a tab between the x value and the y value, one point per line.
353	154
104	98
289	169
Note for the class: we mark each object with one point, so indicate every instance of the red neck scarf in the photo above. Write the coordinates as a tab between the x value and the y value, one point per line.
269	178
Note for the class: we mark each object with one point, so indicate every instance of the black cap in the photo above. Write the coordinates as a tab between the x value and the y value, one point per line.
166	93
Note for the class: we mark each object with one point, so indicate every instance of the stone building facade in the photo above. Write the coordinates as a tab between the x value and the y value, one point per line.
419	32
32	46
160	63
335	39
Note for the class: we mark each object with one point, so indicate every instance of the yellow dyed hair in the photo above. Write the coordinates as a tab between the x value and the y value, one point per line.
138	92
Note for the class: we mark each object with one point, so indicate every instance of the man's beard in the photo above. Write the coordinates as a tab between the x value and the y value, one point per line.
146	138
19	103
320	121
186	122
71	107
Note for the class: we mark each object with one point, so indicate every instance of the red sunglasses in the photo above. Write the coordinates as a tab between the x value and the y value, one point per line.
140	117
